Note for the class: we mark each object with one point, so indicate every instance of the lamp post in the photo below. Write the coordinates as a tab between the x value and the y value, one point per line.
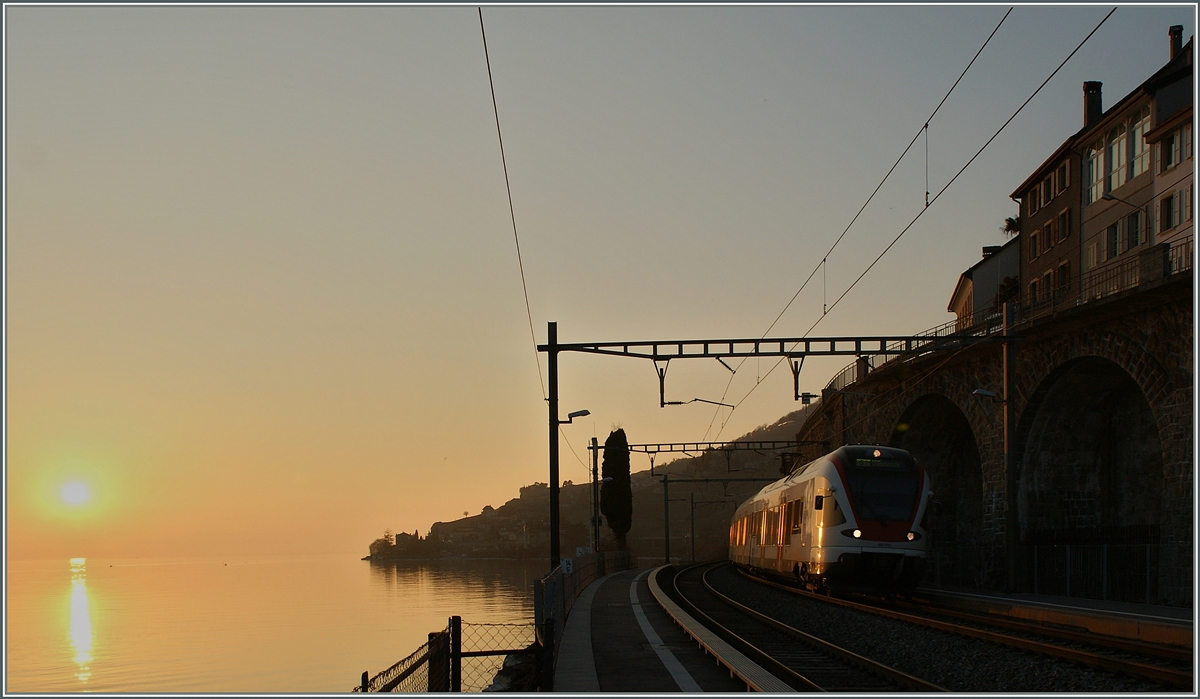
552	399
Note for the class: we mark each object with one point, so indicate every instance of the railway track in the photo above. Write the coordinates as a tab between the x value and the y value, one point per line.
804	662
1163	664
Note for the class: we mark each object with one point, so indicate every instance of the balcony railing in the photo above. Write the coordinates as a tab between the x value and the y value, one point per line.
1152	264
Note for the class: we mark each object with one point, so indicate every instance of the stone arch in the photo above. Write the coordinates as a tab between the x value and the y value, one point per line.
1089	482
938	434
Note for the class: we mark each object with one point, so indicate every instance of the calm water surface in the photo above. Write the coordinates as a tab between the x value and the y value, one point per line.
265	624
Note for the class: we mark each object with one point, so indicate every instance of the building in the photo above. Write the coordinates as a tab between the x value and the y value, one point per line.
1137	175
984	287
1048	253
1095	214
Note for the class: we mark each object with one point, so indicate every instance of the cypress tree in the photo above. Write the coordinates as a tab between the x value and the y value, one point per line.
616	497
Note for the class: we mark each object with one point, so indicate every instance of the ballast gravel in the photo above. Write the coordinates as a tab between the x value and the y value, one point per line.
953	662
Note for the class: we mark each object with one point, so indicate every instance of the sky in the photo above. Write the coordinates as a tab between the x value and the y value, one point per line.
262	290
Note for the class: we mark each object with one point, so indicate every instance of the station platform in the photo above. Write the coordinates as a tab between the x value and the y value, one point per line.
618	639
1145	622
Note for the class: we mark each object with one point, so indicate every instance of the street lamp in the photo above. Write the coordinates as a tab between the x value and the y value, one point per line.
554	538
988	394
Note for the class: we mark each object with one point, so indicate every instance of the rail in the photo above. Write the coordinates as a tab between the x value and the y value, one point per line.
1151	265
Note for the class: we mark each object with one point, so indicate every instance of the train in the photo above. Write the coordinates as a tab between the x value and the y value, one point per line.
849	521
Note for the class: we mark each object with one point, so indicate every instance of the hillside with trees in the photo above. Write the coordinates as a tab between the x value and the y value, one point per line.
520	528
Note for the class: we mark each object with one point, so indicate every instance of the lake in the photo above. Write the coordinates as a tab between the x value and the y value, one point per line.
240	624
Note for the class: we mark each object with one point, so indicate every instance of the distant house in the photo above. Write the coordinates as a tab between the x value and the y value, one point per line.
987	284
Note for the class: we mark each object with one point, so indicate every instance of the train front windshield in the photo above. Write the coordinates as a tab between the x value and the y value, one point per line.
884	489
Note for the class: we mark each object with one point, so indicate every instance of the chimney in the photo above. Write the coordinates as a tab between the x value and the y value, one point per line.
1092	103
1176	33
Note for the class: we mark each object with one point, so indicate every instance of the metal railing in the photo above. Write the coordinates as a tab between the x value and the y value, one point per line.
1115	572
555	594
1152	264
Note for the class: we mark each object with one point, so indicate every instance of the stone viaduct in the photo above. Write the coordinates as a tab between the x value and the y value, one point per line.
1101	501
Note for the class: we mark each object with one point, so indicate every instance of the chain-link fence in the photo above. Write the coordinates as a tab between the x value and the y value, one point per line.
419	672
488	648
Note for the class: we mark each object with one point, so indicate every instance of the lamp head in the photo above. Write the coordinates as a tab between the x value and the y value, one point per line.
578	413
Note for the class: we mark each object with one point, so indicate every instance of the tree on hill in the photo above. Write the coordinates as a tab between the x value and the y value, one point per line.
616	497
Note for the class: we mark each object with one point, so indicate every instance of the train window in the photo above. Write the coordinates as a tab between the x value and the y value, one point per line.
787	522
797	515
833	514
819	502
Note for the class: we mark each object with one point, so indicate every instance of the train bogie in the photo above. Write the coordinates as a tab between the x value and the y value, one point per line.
850	520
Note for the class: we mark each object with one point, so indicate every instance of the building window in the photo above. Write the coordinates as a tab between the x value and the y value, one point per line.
1139	151
1093	256
1117	165
1064	224
1033	290
1062	276
1035	200
1093	181
1048	189
1062	177
1186	137
1033	245
1168	212
1133	230
1111	238
1168	152
1049	236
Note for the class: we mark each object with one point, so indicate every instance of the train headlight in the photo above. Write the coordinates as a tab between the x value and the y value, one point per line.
856	533
913	536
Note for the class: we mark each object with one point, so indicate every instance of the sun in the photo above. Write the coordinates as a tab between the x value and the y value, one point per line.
75	493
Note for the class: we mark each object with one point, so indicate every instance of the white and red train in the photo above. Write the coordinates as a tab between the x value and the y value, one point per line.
850	520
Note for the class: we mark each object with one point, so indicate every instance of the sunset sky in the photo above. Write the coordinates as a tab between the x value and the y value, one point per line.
262	288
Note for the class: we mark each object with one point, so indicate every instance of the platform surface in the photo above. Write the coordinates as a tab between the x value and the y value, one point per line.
632	645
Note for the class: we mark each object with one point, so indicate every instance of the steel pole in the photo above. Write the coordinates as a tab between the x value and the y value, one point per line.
692	501
666	522
552	371
595	496
1010	457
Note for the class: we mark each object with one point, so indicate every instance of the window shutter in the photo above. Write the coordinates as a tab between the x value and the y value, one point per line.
1158	157
1175	209
1187	203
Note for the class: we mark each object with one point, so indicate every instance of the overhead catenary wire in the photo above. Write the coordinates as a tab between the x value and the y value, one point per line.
936	197
822	265
511	211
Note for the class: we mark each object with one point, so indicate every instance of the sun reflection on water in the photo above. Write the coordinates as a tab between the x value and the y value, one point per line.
80	630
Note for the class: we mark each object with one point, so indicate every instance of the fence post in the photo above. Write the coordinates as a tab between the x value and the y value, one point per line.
439	661
1104	573
1147	573
546	656
455	654
365	681
1068	570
